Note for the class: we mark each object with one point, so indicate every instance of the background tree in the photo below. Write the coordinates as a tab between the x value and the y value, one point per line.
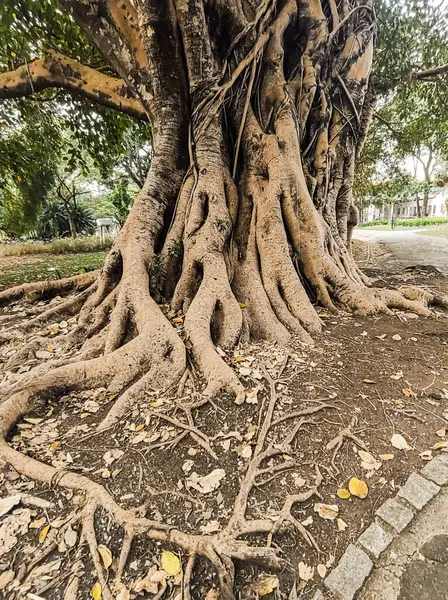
258	111
411	119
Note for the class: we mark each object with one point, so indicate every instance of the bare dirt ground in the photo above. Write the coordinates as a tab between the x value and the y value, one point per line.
371	399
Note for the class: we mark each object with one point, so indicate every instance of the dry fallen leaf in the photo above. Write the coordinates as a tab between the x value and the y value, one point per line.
32	420
358	487
6	504
396	337
70	537
265	585
426	455
106	555
369	462
124	594
399	442
170	563
441	432
5	578
326	511
343	493
96	591
239	399
342	525
305	571
207	483
307	521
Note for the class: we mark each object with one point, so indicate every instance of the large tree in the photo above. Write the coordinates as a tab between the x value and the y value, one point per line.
258	110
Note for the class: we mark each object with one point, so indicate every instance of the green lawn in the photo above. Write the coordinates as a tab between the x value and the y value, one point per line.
66	265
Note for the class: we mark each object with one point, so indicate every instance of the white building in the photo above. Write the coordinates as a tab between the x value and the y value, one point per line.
437	204
407	209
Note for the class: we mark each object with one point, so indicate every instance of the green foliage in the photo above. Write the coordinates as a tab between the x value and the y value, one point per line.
412	115
53	220
408	222
56	131
121	199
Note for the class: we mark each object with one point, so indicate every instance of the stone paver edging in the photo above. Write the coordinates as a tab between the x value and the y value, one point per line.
391	518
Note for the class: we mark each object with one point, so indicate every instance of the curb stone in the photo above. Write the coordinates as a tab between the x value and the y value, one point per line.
355	566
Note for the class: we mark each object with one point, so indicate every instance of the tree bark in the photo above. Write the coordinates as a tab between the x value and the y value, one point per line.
244	222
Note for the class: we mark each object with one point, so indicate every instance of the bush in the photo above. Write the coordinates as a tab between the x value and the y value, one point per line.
59	246
408	222
373	223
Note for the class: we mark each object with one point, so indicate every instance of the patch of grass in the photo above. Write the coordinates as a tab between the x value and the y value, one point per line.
59	246
423	222
52	267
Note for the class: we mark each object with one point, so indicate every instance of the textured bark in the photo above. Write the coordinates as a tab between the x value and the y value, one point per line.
244	223
56	70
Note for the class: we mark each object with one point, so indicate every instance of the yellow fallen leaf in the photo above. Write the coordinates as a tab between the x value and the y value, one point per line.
242	305
322	570
369	380
170	563
96	591
32	420
386	457
43	534
343	493
54	446
409	393
106	555
396	337
358	487
178	320
140	427
440	445
441	432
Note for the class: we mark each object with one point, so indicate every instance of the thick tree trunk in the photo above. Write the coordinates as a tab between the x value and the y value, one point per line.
244	222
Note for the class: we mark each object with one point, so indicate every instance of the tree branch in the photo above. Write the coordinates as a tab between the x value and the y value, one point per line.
56	70
422	75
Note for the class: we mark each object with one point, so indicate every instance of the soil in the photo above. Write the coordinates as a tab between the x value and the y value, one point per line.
382	376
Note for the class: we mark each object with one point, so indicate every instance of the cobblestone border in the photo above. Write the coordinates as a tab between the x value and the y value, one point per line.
391	518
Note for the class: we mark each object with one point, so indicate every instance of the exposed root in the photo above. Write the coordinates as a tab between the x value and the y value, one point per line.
46	289
220	549
337	442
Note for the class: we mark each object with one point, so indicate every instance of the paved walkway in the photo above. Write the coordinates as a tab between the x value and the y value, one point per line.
416	565
410	248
